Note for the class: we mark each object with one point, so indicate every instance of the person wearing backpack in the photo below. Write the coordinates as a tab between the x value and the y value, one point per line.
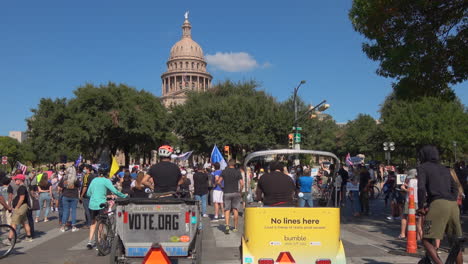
70	186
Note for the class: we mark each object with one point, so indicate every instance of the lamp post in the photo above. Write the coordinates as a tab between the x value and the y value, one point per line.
388	147
296	142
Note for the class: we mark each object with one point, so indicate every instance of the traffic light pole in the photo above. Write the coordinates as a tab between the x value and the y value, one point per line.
297	144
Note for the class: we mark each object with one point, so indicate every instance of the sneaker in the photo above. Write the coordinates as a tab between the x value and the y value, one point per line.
235	230
62	229
46	220
6	242
36	220
74	229
28	239
226	230
90	245
215	218
389	217
397	218
222	217
205	215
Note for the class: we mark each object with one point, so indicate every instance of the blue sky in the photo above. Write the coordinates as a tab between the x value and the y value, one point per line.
49	48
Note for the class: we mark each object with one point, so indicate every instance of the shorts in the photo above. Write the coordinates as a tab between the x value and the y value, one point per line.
217	196
406	209
443	216
232	201
19	216
94	214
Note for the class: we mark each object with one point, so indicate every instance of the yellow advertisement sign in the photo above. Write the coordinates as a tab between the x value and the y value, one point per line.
306	234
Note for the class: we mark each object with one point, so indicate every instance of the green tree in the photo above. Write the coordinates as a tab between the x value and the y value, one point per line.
115	117
234	114
420	43
48	131
11	148
427	121
361	136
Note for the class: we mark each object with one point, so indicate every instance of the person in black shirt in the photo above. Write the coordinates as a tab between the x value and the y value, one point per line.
232	197
200	180
87	179
276	188
165	174
20	207
437	187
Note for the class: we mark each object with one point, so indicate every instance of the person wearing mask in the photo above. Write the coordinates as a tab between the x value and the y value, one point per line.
200	179
88	176
166	175
437	187
126	182
276	188
45	194
70	186
304	184
232	196
20	208
97	193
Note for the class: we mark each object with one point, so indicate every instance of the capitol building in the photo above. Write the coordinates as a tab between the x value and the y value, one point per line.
186	69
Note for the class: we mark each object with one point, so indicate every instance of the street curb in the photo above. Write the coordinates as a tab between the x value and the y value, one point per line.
420	253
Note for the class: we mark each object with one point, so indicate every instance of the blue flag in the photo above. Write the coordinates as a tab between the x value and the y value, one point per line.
78	161
216	156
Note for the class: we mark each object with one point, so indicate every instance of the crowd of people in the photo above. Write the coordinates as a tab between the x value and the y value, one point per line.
28	198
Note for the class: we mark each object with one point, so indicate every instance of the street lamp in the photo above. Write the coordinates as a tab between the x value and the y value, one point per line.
296	143
388	147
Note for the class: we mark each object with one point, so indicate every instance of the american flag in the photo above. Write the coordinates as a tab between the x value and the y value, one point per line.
348	160
21	167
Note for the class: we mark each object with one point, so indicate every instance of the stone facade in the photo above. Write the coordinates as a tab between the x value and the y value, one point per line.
18	135
186	69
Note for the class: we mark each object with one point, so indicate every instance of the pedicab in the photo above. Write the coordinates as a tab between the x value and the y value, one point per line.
299	235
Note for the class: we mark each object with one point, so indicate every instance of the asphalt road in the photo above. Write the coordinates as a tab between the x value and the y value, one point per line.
367	240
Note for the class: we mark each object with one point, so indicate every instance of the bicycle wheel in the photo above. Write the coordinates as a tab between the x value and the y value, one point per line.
376	192
104	236
6	245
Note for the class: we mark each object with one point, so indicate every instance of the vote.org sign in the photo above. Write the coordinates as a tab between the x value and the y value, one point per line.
4	160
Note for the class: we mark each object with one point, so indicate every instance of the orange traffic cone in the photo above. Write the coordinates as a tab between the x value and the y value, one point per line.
411	246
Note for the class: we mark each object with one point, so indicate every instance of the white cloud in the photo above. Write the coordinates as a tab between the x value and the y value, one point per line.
233	61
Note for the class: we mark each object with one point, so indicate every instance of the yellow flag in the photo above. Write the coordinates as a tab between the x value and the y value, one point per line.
114	167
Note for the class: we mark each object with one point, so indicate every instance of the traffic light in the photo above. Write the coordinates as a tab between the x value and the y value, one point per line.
313	115
291	140
226	151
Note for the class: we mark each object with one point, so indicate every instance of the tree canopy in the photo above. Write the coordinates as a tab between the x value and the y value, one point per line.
234	114
422	44
427	121
101	117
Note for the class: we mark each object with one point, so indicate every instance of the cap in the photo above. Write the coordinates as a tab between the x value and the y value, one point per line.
19	177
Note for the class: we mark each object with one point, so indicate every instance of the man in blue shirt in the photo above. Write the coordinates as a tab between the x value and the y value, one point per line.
217	192
305	183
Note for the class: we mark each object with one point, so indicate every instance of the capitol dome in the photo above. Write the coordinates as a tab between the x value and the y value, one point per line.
186	69
185	48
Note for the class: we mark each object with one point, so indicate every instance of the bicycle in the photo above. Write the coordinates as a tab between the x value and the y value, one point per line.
105	228
453	253
374	191
6	245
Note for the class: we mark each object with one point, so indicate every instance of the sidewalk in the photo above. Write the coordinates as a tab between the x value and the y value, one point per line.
379	236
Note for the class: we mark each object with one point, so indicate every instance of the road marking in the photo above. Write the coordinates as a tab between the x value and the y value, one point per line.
355	238
24	246
386	259
80	246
